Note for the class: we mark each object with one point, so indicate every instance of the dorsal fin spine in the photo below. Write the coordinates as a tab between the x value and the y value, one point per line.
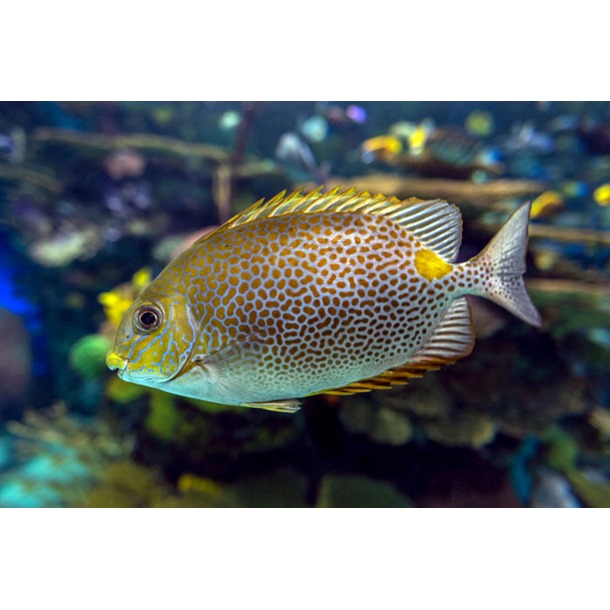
350	196
375	205
435	222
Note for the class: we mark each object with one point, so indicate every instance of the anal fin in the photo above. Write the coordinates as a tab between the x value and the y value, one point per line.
452	340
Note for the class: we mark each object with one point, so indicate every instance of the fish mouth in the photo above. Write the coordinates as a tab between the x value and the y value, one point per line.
115	362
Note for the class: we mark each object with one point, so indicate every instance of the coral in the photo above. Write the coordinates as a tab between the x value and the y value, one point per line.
220	440
196	492
381	424
88	356
125	484
163	418
522	384
563	450
563	453
56	428
60	457
390	418
464	429
391	427
67	246
593	493
122	392
190	483
122	484
424	398
117	301
71	461
571	306
351	491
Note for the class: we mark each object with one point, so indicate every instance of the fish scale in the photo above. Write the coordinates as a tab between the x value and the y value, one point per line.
317	291
327	292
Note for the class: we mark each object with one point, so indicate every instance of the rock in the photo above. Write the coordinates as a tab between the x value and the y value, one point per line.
15	359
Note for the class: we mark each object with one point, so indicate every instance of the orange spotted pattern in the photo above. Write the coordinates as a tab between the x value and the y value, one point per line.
318	300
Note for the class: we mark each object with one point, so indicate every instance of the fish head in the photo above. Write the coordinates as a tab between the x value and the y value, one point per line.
154	339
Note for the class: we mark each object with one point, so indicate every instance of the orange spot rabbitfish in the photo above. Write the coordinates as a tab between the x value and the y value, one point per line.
335	293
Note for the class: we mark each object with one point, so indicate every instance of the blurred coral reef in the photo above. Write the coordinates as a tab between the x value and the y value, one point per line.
96	198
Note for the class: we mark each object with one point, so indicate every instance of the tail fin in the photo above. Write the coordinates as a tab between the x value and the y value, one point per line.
505	256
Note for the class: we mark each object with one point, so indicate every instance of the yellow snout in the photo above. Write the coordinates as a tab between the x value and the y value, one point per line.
113	362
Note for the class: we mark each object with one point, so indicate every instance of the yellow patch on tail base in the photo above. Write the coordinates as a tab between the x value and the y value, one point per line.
430	266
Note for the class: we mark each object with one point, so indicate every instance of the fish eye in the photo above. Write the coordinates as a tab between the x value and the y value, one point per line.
148	318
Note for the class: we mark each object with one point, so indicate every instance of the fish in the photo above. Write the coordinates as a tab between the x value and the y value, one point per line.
453	146
380	148
601	195
452	153
547	204
297	158
420	136
431	151
334	292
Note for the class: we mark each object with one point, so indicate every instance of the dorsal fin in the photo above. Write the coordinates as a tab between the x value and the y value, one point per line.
452	340
436	223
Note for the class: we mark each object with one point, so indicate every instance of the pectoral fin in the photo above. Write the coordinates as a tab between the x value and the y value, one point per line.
239	354
242	356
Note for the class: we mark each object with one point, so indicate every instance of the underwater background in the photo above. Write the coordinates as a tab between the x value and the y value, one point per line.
96	198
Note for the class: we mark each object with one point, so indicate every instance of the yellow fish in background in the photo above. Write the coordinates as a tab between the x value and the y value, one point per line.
420	136
336	292
601	195
381	148
546	204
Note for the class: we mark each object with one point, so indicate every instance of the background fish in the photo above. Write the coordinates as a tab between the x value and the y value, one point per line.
319	293
297	158
432	151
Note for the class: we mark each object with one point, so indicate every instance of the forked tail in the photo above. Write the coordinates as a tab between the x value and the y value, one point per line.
503	265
